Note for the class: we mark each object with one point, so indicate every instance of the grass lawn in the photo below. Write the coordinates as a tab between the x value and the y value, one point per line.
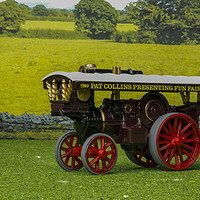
54	25
29	170
68	26
24	62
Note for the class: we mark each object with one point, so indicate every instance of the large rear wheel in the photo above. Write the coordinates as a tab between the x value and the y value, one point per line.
174	141
141	160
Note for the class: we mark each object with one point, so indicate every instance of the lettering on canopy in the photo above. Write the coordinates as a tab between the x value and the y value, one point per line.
140	87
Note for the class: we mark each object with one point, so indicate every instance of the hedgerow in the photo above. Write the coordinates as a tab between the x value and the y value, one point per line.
46	33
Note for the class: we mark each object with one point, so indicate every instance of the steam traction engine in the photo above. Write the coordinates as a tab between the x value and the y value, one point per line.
149	130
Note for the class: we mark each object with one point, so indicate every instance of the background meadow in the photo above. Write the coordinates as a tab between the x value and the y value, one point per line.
24	62
68	26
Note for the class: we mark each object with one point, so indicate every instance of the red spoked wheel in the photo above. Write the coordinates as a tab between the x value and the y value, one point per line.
68	152
174	141
144	161
99	153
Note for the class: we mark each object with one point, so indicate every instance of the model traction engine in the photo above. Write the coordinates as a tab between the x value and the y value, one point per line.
149	130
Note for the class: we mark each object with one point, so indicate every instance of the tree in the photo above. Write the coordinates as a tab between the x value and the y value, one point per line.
171	21
40	10
97	18
12	15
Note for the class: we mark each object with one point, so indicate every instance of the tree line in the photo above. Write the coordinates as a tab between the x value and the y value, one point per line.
160	22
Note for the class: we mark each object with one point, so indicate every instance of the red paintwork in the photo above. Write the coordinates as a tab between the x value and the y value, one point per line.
177	136
70	153
101	159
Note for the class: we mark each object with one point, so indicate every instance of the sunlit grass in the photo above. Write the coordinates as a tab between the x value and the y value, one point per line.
68	26
54	25
24	62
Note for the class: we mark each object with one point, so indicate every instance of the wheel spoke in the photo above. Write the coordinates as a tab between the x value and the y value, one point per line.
163	142
104	164
102	143
78	160
179	127
189	124
97	165
108	160
165	147
76	145
166	130
67	160
73	162
177	160
64	149
95	144
187	146
65	155
140	157
171	129
192	140
167	137
94	161
110	152
166	154
185	152
71	140
171	155
68	143
107	145
180	154
187	134
95	150
175	124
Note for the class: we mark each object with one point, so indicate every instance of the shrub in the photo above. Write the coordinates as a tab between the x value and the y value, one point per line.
47	33
125	37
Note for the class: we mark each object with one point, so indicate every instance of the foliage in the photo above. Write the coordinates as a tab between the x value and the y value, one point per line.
95	17
24	62
171	21
48	34
41	13
29	171
125	37
12	15
40	10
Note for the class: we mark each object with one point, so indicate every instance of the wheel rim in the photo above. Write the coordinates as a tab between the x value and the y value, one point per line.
178	141
144	161
101	154
70	152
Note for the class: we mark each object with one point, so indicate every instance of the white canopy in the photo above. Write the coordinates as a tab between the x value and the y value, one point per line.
127	78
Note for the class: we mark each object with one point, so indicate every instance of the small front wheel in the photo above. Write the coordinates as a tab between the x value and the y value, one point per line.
99	153
68	152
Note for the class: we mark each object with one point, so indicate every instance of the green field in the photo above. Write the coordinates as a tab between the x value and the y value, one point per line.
68	26
24	62
29	170
54	25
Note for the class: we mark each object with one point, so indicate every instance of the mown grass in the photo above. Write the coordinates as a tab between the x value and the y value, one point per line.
24	62
29	170
68	26
52	25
